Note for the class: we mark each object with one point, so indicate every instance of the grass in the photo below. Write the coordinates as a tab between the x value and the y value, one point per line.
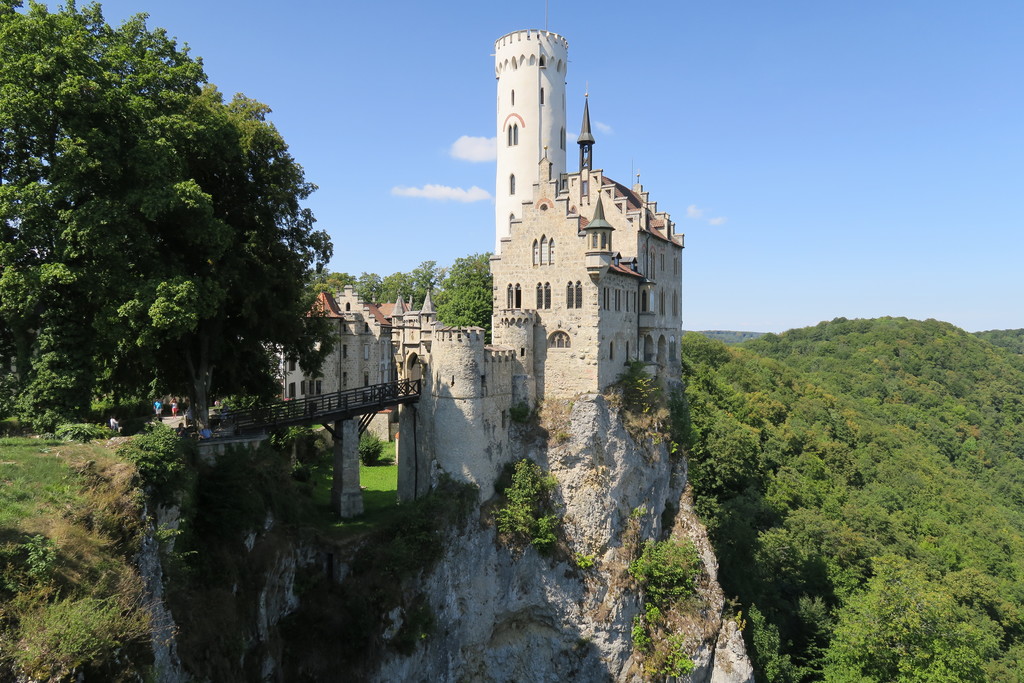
380	498
36	480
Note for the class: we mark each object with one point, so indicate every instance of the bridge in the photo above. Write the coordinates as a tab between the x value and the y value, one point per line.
345	414
361	402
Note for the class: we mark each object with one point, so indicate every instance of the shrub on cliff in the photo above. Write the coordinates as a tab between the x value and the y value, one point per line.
528	515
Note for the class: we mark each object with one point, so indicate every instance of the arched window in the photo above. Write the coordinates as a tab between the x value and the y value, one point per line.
513	98
540	296
643	301
510	136
661	262
547	295
519	297
515	133
542	63
661	302
569	296
509	296
512	184
543	250
551	252
579	295
542	95
348	306
536	253
650	264
559	340
511	218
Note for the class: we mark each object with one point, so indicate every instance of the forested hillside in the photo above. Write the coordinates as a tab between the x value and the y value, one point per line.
1009	339
864	486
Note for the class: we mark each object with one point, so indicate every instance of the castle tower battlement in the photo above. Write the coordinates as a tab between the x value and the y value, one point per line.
530	68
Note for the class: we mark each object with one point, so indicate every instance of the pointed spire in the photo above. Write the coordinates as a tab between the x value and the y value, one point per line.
428	305
399	306
586	138
598	221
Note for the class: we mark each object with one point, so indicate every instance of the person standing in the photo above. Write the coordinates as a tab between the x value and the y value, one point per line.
157	407
114	426
174	408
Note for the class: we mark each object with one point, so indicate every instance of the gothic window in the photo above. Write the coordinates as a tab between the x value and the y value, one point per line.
559	340
515	133
536	252
661	302
661	262
519	296
593	241
569	296
643	301
512	184
542	63
551	252
650	264
510	136
366	379
540	295
547	295
509	296
348	306
511	218
579	295
543	250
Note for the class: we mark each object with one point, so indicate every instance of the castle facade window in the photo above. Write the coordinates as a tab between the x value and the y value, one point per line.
513	98
569	296
291	390
661	302
543	250
536	252
559	340
512	184
519	297
579	294
508	297
551	252
547	295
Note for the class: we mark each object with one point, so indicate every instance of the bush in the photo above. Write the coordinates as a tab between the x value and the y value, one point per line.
370	449
527	514
159	455
81	432
520	412
667	570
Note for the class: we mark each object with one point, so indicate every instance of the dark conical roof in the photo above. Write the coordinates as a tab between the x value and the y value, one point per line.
586	137
598	221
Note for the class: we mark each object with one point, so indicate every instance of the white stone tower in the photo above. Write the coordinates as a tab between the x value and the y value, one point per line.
530	67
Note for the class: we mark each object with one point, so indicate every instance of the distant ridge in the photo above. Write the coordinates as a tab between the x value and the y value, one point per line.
730	336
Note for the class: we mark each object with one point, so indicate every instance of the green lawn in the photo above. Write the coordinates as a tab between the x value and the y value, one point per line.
380	497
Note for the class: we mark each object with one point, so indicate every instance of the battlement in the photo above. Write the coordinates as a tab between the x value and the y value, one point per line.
498	354
457	335
515	317
537	35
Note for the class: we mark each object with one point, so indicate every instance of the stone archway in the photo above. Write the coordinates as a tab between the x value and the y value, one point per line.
662	351
648	349
413	368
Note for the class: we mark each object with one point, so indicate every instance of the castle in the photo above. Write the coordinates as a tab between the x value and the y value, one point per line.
587	277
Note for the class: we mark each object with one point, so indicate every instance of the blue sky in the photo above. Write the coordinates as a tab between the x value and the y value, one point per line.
825	159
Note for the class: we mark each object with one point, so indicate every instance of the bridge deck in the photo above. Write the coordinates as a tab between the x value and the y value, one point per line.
326	408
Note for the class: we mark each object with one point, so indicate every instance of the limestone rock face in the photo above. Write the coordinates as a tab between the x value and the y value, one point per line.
505	614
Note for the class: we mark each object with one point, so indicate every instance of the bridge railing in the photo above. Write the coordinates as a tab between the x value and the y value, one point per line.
308	410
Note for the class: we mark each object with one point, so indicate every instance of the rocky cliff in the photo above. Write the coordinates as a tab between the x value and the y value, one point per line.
486	609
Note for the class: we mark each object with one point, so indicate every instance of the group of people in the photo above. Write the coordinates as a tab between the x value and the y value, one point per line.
185	429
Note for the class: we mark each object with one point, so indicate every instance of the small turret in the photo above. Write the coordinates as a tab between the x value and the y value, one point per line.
586	139
599	242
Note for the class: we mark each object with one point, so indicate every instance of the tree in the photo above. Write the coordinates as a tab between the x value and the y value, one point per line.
151	232
328	281
466	293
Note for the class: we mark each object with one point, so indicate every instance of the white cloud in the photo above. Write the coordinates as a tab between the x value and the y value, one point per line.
718	221
469	148
443	193
603	127
693	212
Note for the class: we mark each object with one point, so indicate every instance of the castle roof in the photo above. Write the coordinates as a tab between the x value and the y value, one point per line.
378	315
656	226
586	137
428	304
325	306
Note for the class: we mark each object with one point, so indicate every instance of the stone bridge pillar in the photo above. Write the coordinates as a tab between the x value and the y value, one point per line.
346	496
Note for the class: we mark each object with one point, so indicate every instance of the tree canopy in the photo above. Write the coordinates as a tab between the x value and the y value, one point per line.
153	234
862	483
